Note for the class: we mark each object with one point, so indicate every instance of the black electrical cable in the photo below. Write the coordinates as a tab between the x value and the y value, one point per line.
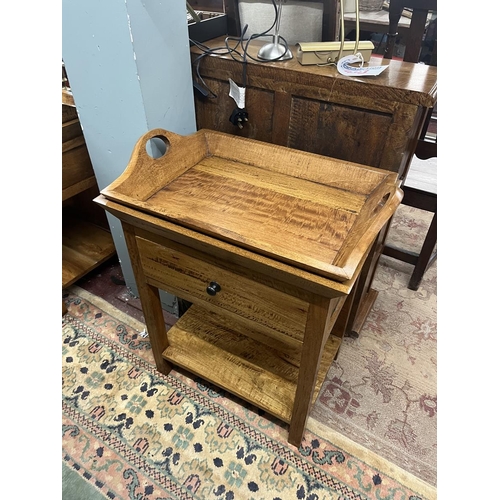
243	55
206	51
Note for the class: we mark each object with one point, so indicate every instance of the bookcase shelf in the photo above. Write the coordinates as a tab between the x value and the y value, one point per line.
86	239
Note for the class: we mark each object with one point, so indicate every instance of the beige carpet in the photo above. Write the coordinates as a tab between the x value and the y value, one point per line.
381	391
130	432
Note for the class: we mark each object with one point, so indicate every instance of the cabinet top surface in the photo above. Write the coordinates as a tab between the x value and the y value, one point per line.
313	212
401	81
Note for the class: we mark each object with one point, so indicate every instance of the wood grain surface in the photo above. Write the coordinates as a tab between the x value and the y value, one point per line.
252	371
314	212
187	276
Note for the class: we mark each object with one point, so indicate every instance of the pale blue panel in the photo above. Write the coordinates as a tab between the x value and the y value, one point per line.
161	46
129	69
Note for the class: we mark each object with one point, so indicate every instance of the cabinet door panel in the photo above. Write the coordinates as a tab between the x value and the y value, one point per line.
339	131
214	113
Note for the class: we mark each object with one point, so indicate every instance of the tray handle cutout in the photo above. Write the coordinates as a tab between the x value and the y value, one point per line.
380	205
158	157
386	205
155	144
378	211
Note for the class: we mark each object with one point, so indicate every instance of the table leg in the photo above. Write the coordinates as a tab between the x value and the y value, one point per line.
315	335
364	295
150	302
344	324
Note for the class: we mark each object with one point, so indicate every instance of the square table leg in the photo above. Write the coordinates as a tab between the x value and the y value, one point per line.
315	336
150	302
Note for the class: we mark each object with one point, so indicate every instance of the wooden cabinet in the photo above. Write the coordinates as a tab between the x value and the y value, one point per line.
374	121
86	239
77	172
267	243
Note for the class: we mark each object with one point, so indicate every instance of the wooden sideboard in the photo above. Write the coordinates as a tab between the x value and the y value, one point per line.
373	121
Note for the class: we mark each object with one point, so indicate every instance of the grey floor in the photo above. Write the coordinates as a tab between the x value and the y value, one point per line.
74	487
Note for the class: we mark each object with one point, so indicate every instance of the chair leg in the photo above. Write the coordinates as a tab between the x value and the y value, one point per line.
426	257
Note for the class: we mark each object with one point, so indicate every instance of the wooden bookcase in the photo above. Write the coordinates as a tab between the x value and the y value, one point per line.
86	239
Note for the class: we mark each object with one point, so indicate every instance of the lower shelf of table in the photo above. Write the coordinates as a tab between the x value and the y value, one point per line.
244	367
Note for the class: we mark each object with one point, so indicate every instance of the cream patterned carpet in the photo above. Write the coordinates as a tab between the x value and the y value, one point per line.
382	390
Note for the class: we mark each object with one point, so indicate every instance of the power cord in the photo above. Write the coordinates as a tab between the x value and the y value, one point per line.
238	53
207	51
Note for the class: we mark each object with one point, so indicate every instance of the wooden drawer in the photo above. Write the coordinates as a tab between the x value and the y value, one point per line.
187	273
71	130
76	166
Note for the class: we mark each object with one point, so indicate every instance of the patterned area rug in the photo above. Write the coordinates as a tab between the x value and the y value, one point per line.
130	432
381	390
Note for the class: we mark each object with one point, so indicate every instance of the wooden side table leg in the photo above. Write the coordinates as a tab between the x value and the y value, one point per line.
315	335
365	295
151	304
343	325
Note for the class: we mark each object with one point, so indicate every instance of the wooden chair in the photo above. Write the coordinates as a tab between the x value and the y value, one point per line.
415	195
423	199
330	26
413	40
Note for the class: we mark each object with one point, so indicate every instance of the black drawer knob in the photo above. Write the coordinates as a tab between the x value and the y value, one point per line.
213	288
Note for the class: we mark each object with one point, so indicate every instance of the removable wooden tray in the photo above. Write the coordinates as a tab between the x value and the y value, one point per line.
313	212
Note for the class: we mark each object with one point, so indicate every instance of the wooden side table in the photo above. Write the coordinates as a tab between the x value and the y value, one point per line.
266	242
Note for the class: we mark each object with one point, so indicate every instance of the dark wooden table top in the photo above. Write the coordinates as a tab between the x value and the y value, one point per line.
401	82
